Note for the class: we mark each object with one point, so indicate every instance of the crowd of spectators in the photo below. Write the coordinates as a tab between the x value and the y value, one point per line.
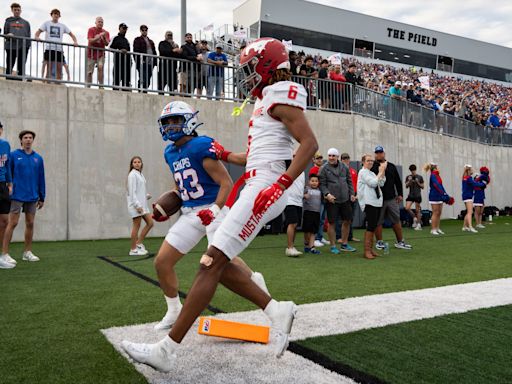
482	102
194	67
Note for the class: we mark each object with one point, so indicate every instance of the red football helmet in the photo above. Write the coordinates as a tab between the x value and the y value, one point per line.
257	63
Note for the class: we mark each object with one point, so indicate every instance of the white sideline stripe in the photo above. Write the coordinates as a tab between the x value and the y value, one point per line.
225	361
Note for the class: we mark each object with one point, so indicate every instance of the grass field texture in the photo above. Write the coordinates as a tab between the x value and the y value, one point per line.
52	311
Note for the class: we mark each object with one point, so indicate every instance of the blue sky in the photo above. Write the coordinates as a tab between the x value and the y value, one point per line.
482	20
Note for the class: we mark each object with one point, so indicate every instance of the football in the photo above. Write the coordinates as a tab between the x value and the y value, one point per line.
167	205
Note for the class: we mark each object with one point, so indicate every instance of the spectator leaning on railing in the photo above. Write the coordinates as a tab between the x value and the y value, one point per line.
97	38
122	58
170	52
16	50
53	53
192	67
145	64
216	75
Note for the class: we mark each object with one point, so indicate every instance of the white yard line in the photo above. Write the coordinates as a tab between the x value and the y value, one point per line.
213	360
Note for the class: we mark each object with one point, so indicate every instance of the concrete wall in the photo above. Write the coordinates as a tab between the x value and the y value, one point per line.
88	136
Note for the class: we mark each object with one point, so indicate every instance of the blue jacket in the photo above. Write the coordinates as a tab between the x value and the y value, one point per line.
479	195
5	170
27	176
437	192
468	187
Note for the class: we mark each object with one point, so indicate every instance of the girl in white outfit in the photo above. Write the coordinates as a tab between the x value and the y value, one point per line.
137	199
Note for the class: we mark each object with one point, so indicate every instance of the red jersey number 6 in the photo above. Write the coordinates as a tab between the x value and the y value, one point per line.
292	93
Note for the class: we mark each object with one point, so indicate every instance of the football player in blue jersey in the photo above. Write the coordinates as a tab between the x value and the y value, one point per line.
204	185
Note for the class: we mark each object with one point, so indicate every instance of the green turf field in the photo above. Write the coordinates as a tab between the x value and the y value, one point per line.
51	311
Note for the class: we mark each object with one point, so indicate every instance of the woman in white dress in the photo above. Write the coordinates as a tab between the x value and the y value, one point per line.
137	199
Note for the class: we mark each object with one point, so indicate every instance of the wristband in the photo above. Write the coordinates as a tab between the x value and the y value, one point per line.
285	180
224	156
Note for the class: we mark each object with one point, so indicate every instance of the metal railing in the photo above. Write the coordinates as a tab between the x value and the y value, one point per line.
65	63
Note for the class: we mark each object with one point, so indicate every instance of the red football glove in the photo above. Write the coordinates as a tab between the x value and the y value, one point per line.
271	194
208	215
219	151
451	201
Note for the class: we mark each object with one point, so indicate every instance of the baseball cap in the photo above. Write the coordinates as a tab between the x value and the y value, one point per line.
333	152
379	148
318	155
218	46
143	26
123	25
398	83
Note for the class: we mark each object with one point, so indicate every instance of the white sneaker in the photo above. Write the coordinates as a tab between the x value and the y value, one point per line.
473	230
434	232
281	314
418	227
480	226
137	252
318	244
292	252
465	229
169	319
161	356
259	280
440	232
9	258
142	249
6	264
29	256
325	241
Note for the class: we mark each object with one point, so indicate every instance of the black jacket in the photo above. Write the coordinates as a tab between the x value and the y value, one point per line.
190	52
393	185
121	42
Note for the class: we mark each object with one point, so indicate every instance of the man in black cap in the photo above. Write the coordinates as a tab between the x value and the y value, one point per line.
216	74
122	58
392	193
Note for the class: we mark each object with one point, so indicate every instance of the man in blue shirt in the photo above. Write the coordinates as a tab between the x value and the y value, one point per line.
6	261
216	73
28	191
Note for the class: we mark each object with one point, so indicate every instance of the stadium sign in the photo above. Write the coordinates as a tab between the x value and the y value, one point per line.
417	38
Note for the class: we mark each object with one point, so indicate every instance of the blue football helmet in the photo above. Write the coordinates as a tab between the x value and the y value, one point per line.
185	127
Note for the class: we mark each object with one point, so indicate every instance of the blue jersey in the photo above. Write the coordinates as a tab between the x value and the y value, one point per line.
5	169
186	163
27	170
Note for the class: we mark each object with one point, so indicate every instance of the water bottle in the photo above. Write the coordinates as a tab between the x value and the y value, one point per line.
386	248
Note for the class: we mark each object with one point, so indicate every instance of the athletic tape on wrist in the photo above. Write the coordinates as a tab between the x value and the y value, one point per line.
224	155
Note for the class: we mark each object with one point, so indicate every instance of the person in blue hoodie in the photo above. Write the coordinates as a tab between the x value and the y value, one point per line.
6	262
28	191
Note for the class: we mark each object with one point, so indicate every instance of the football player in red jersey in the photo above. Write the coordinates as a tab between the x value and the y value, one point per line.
270	169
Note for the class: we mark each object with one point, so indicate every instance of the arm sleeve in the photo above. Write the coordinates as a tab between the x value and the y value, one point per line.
437	185
132	189
398	183
42	182
323	181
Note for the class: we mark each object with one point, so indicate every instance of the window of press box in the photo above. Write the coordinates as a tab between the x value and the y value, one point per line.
308	38
445	63
363	48
405	56
482	70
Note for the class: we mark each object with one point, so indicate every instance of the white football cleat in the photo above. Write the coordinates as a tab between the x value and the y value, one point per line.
161	356
5	264
259	280
9	258
29	256
281	314
169	319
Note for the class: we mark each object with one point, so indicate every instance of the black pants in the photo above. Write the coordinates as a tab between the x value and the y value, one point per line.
122	72
167	75
11	55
